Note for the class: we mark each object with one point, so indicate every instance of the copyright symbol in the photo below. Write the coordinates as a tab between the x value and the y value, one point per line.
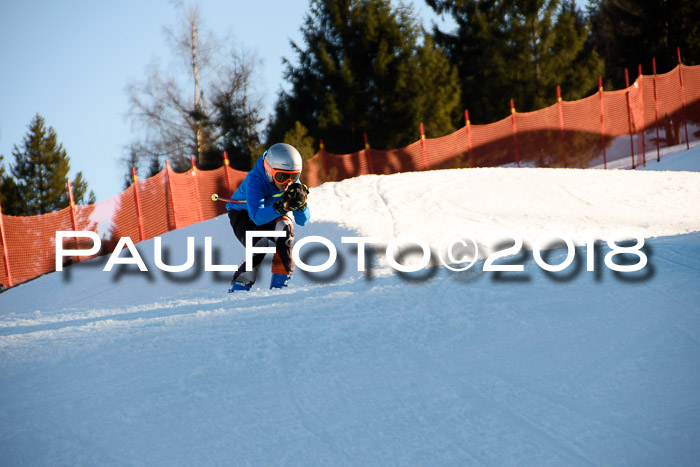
458	249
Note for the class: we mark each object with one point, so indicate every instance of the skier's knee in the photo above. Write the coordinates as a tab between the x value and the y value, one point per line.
286	225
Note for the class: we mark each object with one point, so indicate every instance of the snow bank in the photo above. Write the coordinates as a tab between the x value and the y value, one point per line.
486	203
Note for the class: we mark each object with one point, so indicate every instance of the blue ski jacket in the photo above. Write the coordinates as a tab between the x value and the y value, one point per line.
257	195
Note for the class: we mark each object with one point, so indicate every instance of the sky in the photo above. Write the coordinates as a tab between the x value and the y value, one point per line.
71	61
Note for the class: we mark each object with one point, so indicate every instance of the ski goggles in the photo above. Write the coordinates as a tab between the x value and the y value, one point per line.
282	176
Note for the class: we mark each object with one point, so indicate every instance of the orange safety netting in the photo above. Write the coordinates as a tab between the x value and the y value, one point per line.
608	129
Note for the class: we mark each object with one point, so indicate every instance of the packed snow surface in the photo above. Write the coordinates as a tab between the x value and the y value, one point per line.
346	367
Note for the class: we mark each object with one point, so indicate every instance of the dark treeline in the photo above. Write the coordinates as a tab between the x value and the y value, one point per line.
370	66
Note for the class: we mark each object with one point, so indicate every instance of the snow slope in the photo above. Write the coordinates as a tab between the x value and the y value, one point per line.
345	367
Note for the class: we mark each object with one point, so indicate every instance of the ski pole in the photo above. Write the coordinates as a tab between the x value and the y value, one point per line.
215	197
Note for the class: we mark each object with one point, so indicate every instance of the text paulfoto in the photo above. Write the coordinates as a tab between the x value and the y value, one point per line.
461	250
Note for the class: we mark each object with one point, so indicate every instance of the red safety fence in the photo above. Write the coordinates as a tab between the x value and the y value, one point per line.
607	129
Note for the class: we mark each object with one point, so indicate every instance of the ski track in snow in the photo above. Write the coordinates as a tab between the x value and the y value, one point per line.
43	325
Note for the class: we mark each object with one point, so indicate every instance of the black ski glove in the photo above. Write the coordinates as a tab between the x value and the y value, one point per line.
293	199
298	193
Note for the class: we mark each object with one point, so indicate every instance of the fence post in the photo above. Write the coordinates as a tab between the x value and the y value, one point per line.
656	111
469	137
685	120
629	122
602	122
138	204
5	254
168	172
226	166
629	114
422	144
322	150
640	78
370	166
515	132
561	126
196	189
72	205
629	117
77	259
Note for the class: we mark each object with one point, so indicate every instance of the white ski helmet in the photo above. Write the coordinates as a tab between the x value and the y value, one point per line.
282	161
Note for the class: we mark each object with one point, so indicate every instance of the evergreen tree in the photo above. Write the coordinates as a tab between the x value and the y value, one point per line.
137	154
478	48
299	137
627	33
363	68
154	167
8	192
132	160
519	49
39	174
555	34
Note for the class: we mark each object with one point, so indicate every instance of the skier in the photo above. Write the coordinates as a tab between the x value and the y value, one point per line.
269	197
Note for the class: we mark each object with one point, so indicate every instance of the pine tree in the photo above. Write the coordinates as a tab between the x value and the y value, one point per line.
131	160
299	137
363	68
628	33
39	174
8	193
553	35
3	181
154	167
478	49
517	49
